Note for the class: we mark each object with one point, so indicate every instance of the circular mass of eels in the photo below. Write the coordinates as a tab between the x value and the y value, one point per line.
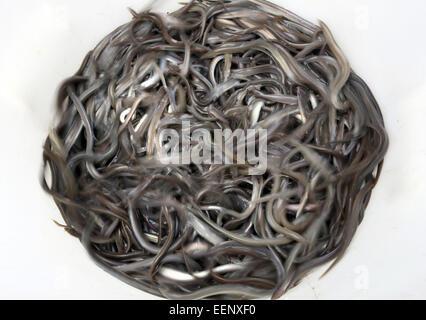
214	230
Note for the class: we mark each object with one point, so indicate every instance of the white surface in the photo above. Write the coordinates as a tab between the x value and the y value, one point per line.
44	41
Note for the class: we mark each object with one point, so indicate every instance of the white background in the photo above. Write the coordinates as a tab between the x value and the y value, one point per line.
44	41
